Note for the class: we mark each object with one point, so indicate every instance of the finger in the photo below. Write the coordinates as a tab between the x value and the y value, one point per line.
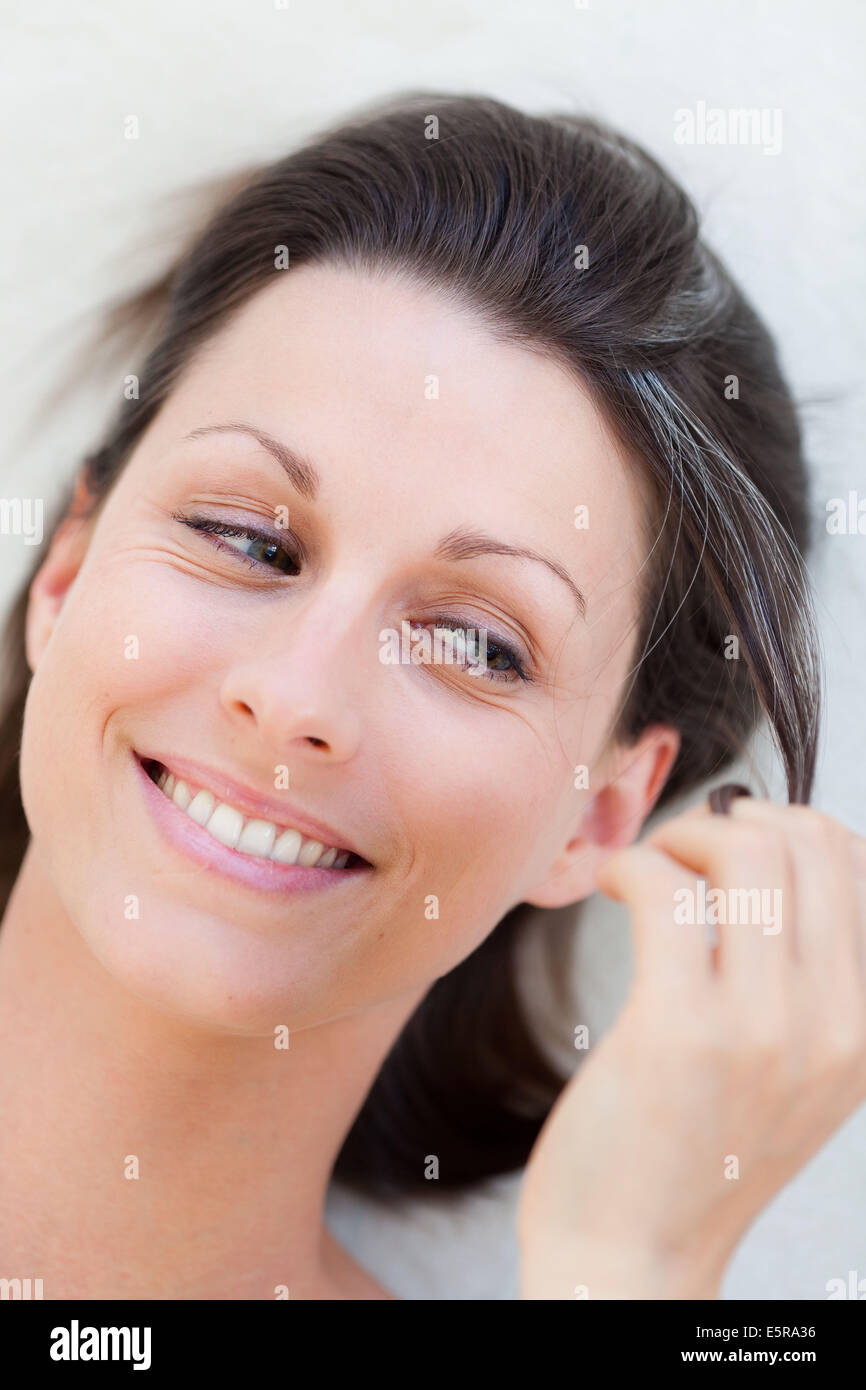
672	953
750	892
826	860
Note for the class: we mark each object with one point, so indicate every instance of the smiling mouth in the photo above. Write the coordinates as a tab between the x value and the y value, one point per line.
258	839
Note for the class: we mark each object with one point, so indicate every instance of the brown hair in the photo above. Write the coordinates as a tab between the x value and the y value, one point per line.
472	196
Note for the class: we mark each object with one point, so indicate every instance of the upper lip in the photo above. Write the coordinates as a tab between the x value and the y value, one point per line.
246	799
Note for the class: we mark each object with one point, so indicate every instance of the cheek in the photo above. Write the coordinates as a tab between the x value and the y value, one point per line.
123	638
488	782
473	822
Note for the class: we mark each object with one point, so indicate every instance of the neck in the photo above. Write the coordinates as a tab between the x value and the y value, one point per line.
144	1157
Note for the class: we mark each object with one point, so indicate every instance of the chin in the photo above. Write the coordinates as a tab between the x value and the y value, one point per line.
201	970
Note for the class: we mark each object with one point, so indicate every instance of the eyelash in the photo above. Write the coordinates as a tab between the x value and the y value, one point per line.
495	645
215	529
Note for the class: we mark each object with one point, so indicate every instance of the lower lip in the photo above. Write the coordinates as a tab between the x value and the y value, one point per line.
264	875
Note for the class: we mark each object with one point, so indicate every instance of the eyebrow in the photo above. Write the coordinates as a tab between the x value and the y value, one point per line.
301	473
460	544
463	544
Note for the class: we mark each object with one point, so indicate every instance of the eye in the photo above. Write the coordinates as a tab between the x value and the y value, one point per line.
493	659
261	549
500	662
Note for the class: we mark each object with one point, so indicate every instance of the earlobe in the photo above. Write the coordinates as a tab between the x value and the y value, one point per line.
613	817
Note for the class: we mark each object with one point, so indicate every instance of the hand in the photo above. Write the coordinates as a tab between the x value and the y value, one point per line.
727	1068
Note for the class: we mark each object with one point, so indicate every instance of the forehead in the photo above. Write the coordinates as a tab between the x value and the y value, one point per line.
410	397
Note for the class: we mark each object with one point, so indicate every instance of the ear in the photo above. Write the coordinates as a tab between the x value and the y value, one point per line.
55	575
633	779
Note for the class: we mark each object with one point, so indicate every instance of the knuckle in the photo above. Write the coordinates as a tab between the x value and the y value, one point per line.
840	1045
658	884
752	846
770	840
759	1044
821	828
761	857
846	1043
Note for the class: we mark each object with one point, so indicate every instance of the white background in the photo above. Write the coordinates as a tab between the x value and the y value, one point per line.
221	84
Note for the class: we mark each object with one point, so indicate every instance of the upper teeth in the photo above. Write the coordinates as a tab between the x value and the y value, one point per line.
262	838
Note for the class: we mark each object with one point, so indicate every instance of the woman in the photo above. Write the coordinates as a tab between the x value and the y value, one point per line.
448	371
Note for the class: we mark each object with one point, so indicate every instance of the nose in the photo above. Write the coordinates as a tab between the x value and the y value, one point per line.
298	690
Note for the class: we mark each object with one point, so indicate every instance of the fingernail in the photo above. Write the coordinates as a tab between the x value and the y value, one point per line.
722	797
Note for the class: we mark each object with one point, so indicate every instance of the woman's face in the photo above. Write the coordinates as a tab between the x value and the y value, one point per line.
255	668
